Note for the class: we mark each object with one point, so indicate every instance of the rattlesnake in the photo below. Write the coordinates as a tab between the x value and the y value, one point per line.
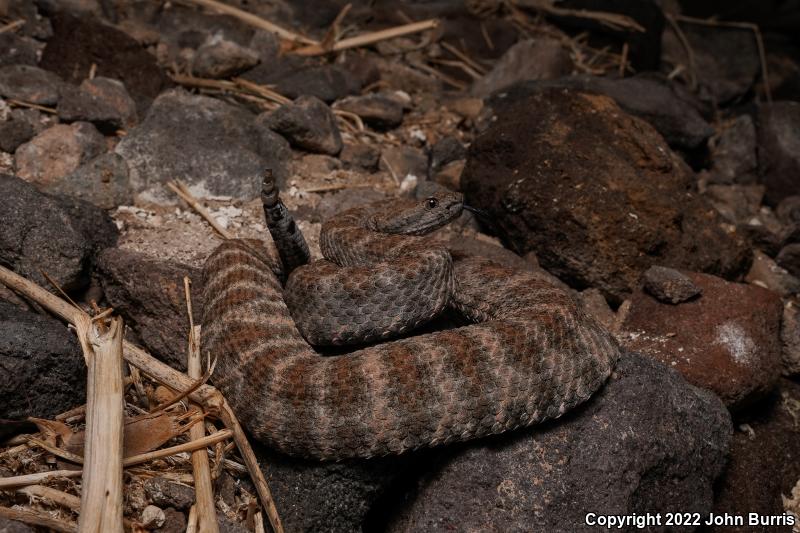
531	354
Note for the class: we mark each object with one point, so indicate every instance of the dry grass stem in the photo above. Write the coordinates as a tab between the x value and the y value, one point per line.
33	479
206	395
56	496
464	57
12	26
370	38
613	21
180	188
101	486
21	103
203	488
180	448
254	20
38	519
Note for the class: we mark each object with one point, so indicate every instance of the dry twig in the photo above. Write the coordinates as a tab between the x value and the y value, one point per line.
180	188
203	489
35	518
254	20
370	38
101	486
206	395
32	479
12	26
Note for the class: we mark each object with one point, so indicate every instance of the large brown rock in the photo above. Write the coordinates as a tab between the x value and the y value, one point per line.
596	193
726	340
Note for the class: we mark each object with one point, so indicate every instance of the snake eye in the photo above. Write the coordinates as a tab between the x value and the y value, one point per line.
431	203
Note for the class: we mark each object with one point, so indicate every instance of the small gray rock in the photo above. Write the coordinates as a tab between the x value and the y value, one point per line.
78	105
530	59
218	57
102	181
165	493
668	285
377	110
275	150
174	522
308	124
30	84
445	151
13	133
42	371
768	274
360	156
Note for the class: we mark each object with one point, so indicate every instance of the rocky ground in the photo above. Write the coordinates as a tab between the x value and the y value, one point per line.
638	153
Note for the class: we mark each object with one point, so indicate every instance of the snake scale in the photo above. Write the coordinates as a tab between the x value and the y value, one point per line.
529	354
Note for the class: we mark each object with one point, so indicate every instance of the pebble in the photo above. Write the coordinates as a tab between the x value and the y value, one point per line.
309	124
30	84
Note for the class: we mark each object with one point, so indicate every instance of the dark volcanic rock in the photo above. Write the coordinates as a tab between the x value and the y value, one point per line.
734	153
596	193
78	43
789	258
148	293
165	493
764	272
779	149
17	49
790	337
326	82
670	111
102	101
308	124
13	133
668	285
764	462
647	442
715	341
38	234
30	84
334	497
42	372
206	142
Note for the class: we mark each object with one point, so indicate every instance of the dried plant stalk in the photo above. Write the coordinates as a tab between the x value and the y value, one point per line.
369	38
101	486
32	479
206	395
203	488
36	518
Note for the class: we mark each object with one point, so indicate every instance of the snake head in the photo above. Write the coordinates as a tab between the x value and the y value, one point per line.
418	217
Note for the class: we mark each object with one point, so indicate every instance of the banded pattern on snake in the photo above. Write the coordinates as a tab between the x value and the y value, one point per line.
531	354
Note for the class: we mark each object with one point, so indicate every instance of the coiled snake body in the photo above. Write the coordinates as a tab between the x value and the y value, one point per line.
530	355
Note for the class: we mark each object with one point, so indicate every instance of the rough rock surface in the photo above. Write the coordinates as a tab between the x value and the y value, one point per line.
13	133
648	441
764	462
779	149
41	365
308	124
530	59
790	337
166	493
79	43
669	110
378	110
734	153
596	193
714	341
17	49
101	101
39	234
149	295
334	497
211	145
12	526
221	58
58	151
30	84
766	273
103	181
668	285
